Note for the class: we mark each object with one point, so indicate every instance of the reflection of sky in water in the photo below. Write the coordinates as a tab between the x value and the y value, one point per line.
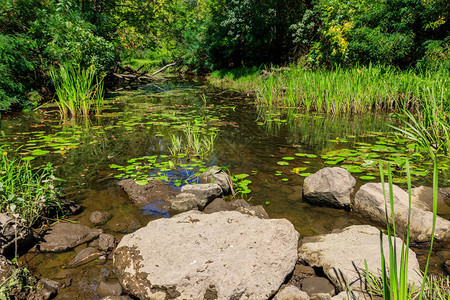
185	175
155	209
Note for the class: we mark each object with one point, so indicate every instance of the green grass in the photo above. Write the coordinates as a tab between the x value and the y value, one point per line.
26	191
17	285
77	90
354	90
242	79
340	90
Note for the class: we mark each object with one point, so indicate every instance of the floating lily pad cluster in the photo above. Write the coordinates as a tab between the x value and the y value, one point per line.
162	168
364	158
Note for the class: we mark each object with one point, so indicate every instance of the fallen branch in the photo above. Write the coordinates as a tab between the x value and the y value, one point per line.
163	68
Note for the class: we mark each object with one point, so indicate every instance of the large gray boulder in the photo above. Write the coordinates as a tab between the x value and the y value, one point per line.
342	255
14	234
65	236
422	197
329	187
204	193
369	201
218	176
193	255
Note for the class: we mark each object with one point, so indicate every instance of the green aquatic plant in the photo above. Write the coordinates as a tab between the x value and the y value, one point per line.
26	191
241	183
77	90
354	90
430	127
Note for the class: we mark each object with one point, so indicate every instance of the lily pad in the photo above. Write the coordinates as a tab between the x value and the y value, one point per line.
288	158
283	163
367	177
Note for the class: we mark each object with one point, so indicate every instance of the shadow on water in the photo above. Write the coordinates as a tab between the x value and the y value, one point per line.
276	148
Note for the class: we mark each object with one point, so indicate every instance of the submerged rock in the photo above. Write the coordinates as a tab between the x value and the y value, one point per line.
329	187
317	285
84	256
342	255
109	288
106	242
99	217
13	233
194	255
153	191
65	236
218	176
369	201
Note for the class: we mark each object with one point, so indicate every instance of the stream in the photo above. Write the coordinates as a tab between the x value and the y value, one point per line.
275	149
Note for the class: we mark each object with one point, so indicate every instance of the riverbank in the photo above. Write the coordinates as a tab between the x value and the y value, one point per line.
339	90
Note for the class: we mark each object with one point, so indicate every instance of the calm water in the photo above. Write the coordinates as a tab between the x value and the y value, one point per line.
252	141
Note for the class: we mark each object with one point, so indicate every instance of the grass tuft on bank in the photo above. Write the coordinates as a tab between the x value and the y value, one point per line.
24	191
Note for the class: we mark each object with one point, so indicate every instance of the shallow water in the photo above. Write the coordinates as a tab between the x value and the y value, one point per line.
252	141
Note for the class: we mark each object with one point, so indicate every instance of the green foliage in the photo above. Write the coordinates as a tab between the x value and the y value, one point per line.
382	32
17	285
77	90
16	62
36	36
25	191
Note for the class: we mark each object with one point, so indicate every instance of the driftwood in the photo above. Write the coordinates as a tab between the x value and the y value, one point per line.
163	68
135	75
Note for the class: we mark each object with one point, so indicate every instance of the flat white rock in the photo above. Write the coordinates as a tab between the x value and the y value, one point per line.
224	255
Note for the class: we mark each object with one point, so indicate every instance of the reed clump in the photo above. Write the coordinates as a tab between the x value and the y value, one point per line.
77	90
354	90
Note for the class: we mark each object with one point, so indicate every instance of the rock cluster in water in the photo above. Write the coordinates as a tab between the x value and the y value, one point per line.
328	185
217	249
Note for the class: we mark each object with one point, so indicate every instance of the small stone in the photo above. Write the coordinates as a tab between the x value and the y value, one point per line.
45	289
317	285
183	202
321	296
109	288
239	203
6	268
447	266
218	176
12	234
65	236
116	298
257	211
84	256
216	205
106	242
290	292
204	193
99	217
102	259
301	272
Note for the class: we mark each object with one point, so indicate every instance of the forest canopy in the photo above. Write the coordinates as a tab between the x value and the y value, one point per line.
36	36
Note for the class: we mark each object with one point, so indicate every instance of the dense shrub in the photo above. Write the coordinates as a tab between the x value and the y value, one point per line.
36	36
